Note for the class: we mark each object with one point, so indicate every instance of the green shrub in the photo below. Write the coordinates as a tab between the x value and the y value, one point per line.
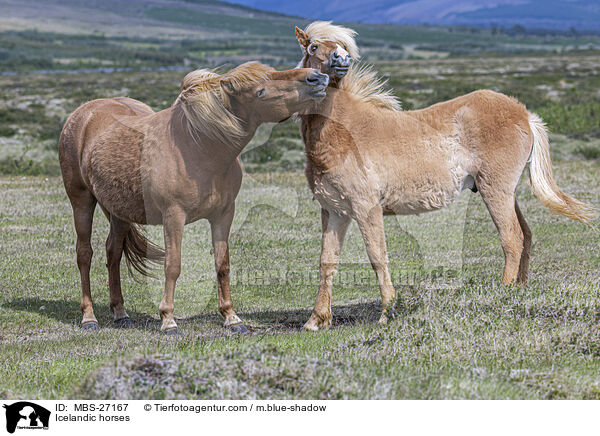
577	121
589	151
25	166
7	131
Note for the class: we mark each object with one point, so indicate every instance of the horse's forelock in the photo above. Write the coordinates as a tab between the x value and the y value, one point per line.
322	31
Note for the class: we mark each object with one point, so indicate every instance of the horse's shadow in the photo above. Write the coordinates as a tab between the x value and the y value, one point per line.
69	313
294	319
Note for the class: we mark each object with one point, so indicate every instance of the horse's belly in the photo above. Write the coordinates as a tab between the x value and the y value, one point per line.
125	200
414	203
426	196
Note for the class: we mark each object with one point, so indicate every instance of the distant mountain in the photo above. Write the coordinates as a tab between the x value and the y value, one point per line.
544	14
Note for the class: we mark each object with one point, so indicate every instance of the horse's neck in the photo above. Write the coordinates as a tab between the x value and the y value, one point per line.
325	129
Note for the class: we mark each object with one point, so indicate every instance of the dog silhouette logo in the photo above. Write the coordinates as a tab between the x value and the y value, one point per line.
26	415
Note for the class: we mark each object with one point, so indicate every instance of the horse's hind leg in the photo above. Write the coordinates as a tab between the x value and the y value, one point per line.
114	253
523	274
501	206
84	203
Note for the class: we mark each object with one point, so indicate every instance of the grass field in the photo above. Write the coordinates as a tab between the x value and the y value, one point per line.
455	332
456	336
563	89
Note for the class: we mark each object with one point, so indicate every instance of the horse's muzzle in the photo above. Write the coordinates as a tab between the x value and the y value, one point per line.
318	82
339	66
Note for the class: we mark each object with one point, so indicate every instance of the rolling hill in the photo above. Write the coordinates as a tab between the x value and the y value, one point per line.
142	18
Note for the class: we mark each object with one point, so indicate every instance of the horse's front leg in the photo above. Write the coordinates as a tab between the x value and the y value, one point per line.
173	223
220	226
370	223
334	231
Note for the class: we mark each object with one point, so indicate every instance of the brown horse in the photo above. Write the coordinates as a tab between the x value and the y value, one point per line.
367	158
172	167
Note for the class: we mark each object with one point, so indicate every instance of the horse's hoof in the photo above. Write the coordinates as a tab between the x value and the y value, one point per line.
124	322
239	329
316	323
91	326
311	327
172	332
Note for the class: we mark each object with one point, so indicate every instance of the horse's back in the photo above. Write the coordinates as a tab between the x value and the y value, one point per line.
485	106
83	141
488	124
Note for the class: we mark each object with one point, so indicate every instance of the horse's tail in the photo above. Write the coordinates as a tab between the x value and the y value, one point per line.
141	253
543	184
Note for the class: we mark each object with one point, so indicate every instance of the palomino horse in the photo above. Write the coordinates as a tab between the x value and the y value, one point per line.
367	158
172	167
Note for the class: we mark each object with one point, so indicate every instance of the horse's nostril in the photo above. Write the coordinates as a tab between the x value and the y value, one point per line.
312	80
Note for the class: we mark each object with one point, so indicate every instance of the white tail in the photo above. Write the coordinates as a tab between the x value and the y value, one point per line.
542	180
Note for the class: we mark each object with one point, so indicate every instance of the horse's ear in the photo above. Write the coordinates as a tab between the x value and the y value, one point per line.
302	37
228	87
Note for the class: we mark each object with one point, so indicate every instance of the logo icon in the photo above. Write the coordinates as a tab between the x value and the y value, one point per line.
26	415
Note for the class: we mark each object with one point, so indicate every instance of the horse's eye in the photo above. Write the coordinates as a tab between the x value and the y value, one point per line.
313	48
260	92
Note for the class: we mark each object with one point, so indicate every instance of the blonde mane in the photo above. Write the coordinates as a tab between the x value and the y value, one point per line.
361	81
205	103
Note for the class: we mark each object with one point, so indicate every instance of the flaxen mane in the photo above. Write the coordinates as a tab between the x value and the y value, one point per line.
206	105
361	81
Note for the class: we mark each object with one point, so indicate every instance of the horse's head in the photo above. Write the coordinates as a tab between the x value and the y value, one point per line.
227	106
328	48
277	95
